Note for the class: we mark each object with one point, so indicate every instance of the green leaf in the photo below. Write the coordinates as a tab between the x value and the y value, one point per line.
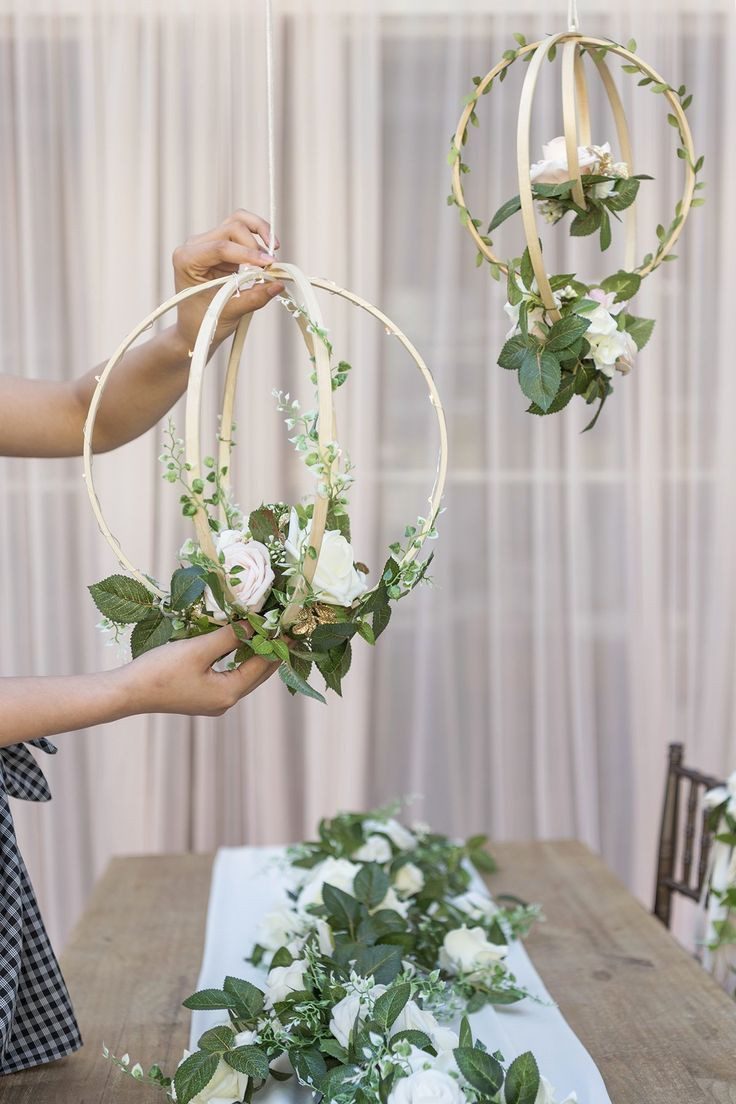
587	222
250	1060
479	1069
206	1000
526	270
326	637
545	191
344	910
371	885
506	210
539	377
383	962
419	1039
480	859
514	351
334	1080
124	601
187	585
333	1048
640	329
381	618
623	195
295	682
194	1074
282	957
390	1005
466	1034
249	996
522	1080
217	1039
309	1065
605	238
214	582
565	332
263	525
150	633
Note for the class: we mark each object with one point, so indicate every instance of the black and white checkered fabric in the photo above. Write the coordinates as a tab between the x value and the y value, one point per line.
37	1023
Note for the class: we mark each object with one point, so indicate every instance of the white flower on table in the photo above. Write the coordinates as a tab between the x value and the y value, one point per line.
469	951
277	928
335	872
427	1086
252	583
283	980
375	849
400	836
393	902
408	880
226	1085
476	905
351	1011
414	1018
336	581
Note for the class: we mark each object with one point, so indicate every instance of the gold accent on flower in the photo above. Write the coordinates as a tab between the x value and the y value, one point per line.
321	613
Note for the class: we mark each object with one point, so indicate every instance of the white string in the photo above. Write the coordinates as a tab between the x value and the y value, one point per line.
572	15
271	126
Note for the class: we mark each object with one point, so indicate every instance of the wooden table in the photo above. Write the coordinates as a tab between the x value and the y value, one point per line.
659	1029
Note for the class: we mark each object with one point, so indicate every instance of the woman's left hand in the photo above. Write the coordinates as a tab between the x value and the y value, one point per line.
243	238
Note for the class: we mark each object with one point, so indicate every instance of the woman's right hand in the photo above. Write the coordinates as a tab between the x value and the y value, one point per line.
179	677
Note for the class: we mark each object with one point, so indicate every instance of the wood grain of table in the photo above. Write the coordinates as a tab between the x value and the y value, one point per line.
659	1029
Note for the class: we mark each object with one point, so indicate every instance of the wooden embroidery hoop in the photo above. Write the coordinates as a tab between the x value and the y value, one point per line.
574	109
309	317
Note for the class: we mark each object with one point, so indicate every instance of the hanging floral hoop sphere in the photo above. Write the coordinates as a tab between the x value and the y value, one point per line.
569	336
282	568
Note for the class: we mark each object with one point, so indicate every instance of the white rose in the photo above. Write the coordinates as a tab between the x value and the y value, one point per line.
627	355
468	950
408	880
226	1085
375	849
336	580
283	980
607	299
601	321
344	1016
400	836
325	937
608	349
350	1010
337	872
414	1018
277	928
552	169
478	906
251	586
393	902
430	1086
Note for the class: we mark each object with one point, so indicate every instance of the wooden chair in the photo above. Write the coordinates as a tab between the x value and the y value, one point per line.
679	841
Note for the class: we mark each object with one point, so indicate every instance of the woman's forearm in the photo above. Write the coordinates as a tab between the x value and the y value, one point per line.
147	383
34	707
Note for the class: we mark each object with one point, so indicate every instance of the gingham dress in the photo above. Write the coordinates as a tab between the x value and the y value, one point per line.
37	1023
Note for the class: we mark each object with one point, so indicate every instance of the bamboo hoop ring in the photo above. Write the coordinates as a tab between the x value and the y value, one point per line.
574	95
309	313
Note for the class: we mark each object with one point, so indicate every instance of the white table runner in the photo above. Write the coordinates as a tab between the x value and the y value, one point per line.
247	884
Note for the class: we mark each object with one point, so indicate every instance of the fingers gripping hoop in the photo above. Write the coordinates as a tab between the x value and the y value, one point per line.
301	300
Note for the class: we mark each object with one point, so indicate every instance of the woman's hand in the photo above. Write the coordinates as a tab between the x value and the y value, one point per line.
243	238
179	677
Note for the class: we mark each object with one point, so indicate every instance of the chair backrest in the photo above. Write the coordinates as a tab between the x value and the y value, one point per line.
684	841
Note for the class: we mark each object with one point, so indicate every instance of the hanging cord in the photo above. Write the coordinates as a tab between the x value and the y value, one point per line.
271	125
572	15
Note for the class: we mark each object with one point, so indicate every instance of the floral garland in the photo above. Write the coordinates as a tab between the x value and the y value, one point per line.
260	565
383	941
596	334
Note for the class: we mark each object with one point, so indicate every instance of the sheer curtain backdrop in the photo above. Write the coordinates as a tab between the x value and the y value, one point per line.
585	600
